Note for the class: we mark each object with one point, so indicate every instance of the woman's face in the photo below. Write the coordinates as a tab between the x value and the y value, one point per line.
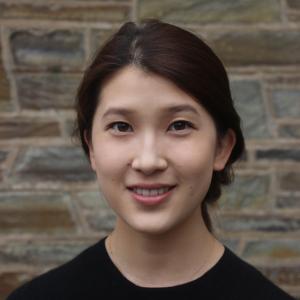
148	131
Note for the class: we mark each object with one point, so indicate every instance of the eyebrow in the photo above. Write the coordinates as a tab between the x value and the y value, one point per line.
167	110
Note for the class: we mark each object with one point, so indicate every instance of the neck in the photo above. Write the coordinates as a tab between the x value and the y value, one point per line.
165	259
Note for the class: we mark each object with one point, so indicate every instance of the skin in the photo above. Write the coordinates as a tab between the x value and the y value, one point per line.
167	244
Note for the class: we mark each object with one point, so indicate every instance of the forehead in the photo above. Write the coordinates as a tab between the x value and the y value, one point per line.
131	87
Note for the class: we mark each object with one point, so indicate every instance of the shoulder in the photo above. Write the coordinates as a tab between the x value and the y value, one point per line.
247	281
67	280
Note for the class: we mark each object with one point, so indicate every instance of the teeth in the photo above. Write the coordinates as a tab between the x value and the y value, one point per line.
151	192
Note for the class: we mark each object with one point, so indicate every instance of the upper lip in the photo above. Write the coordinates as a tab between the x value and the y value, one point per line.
150	185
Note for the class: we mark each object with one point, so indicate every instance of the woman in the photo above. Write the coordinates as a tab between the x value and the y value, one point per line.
156	120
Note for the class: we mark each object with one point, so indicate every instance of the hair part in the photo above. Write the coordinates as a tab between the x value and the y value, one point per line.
183	58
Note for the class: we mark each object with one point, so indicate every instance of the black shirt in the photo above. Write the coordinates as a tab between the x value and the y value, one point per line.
93	275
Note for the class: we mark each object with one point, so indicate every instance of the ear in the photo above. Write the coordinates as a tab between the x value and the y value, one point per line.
91	151
224	148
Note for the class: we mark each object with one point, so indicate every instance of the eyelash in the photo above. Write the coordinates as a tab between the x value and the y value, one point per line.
111	125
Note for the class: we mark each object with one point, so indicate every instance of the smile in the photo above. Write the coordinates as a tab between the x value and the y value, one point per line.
151	192
151	196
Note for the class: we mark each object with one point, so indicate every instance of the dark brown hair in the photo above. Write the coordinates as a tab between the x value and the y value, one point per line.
179	56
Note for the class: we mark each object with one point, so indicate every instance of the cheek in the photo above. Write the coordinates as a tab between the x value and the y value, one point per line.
109	161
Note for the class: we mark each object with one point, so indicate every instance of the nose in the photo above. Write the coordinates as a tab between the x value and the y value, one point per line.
148	158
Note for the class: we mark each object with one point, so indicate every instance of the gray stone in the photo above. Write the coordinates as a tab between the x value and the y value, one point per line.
99	216
52	164
104	221
40	254
3	155
259	223
44	91
70	126
92	201
286	103
271	250
246	192
4	83
206	11
288	202
22	128
99	37
39	50
62	11
260	47
230	243
278	154
293	4
290	181
39	212
249	104
289	131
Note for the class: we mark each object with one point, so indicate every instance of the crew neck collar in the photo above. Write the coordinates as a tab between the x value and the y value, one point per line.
120	281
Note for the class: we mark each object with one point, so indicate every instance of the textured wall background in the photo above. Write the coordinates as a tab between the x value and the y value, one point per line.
50	207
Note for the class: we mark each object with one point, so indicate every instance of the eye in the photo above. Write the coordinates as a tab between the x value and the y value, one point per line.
118	126
181	125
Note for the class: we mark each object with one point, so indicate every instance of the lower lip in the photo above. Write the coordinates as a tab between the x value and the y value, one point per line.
151	200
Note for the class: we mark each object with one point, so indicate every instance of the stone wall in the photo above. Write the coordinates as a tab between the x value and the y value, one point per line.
50	207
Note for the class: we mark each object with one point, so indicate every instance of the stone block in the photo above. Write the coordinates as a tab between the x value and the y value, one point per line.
42	213
289	131
23	128
257	48
286	103
99	37
10	280
293	4
230	243
293	10
70	126
282	275
41	254
47	50
66	11
248	101
205	11
103	221
278	154
289	181
99	215
288	202
272	250
52	163
3	156
4	83
246	192
45	91
92	201
261	223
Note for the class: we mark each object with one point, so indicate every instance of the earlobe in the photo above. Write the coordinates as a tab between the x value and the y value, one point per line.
224	150
91	151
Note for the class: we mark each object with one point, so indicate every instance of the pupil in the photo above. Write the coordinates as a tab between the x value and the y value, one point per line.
122	126
180	126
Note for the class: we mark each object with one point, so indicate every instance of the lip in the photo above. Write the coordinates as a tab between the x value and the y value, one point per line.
151	200
150	185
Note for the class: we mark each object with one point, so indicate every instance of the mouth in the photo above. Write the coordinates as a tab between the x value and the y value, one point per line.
151	196
151	192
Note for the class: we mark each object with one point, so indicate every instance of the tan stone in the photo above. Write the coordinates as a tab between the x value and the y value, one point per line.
65	11
11	280
21	128
23	212
207	11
